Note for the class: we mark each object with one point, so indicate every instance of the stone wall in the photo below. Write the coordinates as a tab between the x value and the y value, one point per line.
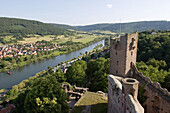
117	56
122	98
122	95
123	51
157	98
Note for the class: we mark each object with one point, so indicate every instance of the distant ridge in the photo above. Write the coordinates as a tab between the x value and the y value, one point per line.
127	27
23	26
62	26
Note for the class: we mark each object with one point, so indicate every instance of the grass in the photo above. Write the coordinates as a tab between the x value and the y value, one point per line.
105	32
37	38
55	53
98	103
7	38
84	40
60	39
2	90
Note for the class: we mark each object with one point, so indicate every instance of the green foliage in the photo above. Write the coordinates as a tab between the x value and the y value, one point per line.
2	90
97	71
154	47
154	73
92	75
166	82
76	73
59	76
155	63
11	93
154	50
17	89
69	46
20	27
141	96
44	95
127	27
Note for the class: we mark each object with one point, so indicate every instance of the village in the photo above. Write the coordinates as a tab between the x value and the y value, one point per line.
17	50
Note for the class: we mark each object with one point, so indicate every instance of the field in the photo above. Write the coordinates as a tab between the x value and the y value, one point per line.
77	37
85	38
37	38
105	32
96	101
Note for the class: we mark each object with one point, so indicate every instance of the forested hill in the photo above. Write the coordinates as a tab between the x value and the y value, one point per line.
128	27
22	26
63	26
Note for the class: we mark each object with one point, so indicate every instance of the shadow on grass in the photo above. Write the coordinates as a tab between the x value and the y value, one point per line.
95	108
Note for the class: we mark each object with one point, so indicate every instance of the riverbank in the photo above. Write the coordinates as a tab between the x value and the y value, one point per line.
19	88
22	86
25	60
22	73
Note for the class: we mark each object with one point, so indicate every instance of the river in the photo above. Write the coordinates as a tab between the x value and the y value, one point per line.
20	74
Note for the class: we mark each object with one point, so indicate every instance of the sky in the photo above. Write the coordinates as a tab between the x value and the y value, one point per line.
86	12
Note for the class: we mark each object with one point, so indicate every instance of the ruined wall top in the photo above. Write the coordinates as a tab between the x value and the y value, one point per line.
155	86
122	94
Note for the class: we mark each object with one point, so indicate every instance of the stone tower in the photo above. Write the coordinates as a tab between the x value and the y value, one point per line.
123	52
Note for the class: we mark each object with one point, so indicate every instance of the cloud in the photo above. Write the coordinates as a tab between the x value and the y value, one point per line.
109	5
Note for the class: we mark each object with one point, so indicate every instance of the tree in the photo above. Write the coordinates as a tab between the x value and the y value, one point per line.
152	72
50	69
76	73
155	63
96	74
45	95
81	53
166	83
153	30
59	76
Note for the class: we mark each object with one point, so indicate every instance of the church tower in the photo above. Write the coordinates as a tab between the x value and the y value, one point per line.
123	53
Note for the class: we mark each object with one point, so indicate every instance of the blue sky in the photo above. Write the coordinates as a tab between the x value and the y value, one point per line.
85	12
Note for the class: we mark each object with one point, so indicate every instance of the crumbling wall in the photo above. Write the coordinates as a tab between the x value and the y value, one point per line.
123	51
122	96
157	98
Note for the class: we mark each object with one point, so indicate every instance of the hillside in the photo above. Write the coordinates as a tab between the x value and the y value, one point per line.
13	26
23	26
127	27
63	26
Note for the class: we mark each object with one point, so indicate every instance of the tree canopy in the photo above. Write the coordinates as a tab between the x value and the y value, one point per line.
22	26
76	73
127	27
43	96
96	73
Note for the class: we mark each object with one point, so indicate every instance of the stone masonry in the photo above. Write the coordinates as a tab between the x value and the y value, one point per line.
125	78
123	51
157	98
122	95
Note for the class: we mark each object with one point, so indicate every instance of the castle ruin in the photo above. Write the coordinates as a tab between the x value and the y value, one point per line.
124	80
